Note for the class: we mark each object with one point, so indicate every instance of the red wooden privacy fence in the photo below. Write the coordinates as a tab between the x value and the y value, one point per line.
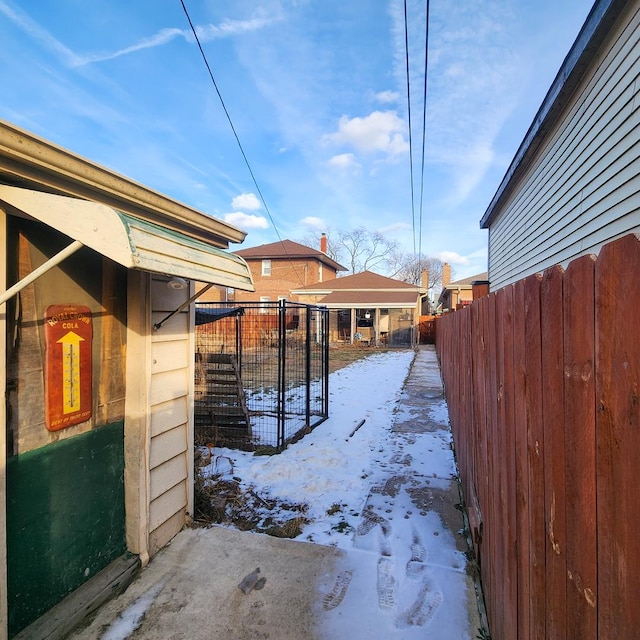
543	386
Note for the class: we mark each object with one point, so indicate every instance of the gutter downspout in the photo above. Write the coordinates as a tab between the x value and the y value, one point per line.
41	270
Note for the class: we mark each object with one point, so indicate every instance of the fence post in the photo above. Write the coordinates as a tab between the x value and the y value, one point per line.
282	370
307	372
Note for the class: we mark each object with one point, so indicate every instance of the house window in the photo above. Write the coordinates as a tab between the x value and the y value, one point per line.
266	267
264	304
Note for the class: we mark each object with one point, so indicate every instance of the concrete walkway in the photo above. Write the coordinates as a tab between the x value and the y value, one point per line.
403	578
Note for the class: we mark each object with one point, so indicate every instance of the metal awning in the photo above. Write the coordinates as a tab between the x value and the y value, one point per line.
130	241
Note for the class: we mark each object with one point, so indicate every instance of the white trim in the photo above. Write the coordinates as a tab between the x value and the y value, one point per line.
137	438
3	440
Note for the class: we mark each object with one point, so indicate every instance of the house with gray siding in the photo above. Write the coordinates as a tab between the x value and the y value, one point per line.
574	183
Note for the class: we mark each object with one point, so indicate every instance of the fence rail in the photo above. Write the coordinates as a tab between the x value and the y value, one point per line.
543	387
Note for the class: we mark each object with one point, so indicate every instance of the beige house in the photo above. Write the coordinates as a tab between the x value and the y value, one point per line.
96	461
368	308
574	183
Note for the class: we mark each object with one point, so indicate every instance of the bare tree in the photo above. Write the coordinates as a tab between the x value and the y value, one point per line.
364	250
409	268
358	249
313	240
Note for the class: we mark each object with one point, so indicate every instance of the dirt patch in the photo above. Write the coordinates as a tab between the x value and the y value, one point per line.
446	502
224	501
343	355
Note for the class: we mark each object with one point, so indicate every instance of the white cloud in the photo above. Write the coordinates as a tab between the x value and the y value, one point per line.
452	257
344	161
205	33
246	201
317	224
387	97
246	220
380	131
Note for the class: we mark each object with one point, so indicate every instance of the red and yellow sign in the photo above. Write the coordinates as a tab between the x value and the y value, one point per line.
68	332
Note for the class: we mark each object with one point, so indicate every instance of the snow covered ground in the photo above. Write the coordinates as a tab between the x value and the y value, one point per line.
369	489
379	496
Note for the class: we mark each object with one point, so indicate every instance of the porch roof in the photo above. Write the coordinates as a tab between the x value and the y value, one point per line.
130	241
372	299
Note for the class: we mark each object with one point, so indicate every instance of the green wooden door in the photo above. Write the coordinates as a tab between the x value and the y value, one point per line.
65	519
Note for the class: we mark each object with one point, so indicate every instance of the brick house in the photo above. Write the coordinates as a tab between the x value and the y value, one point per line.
279	268
460	293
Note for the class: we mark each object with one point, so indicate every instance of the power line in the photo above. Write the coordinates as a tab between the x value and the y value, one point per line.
406	52
424	123
244	155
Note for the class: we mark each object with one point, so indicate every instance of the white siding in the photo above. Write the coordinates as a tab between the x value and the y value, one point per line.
583	189
170	421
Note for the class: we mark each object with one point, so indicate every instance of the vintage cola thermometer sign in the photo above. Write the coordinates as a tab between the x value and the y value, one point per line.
68	333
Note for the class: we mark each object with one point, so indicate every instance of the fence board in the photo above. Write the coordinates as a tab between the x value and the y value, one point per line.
521	463
554	459
535	446
492	522
479	420
618	438
580	442
507	464
549	430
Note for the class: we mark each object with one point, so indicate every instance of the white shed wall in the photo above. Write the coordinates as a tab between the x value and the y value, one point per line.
170	393
583	189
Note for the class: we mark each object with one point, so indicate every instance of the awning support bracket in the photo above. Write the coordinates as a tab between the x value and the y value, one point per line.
41	270
183	306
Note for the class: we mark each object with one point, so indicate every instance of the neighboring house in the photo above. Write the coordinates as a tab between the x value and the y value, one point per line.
367	307
96	330
574	183
280	267
458	293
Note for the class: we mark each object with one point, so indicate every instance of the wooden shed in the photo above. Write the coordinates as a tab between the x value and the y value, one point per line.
97	332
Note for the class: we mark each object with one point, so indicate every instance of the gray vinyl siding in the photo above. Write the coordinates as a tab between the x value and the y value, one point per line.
583	188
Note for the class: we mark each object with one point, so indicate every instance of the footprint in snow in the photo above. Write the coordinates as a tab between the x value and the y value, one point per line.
337	594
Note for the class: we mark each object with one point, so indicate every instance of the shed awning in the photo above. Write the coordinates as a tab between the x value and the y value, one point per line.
130	241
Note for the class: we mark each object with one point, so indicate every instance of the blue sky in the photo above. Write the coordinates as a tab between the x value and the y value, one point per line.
317	92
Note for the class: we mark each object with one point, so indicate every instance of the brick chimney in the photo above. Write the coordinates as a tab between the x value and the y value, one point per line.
323	243
446	274
424	279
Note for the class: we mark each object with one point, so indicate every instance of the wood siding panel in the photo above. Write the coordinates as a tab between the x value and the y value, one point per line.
167	445
169	415
168	474
585	176
170	391
176	328
169	385
166	531
167	505
169	356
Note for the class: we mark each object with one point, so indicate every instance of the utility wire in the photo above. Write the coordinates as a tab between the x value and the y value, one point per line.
424	126
244	155
406	50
